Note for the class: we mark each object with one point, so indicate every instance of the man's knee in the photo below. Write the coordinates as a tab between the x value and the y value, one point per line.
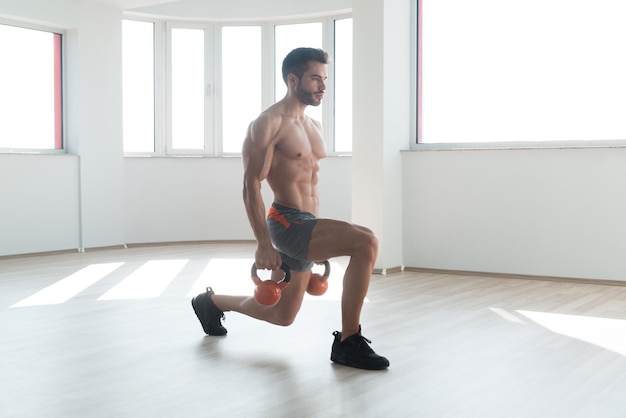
283	318
285	321
369	242
285	313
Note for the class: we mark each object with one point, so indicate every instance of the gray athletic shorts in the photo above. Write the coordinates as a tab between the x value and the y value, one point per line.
290	230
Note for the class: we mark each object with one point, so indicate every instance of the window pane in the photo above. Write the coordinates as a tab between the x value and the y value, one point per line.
30	86
287	38
548	71
138	85
188	89
343	85
241	83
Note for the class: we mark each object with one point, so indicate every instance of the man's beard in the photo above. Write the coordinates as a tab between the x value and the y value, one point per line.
306	97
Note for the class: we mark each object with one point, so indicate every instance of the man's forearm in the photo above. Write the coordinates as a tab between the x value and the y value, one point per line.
255	209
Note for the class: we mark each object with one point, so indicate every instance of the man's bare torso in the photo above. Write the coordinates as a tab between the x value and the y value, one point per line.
297	148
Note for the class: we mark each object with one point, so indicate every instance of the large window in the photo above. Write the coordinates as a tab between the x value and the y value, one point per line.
288	37
138	86
242	80
342	88
187	94
195	89
31	111
499	71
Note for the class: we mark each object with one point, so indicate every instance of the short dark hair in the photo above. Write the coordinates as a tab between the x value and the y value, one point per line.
297	61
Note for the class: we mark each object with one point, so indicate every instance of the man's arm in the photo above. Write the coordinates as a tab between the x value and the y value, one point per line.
258	151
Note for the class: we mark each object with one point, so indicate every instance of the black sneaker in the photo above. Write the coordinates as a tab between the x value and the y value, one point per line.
208	314
356	352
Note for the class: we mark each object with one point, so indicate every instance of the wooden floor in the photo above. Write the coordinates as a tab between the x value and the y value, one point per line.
111	333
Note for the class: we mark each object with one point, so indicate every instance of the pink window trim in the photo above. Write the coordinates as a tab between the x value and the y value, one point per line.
419	71
58	94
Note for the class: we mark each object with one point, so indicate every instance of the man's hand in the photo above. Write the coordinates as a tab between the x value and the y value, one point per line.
267	258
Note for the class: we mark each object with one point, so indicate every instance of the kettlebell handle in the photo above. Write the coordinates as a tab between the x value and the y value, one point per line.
326	268
284	267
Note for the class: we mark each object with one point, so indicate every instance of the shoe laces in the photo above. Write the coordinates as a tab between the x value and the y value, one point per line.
361	342
364	342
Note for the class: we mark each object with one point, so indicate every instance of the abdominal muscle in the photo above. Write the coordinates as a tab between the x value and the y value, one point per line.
294	182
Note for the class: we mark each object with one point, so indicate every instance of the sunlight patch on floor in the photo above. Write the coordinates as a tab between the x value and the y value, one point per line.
508	315
67	288
607	333
147	282
227	276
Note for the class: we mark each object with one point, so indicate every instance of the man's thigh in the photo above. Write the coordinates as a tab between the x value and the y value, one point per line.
333	238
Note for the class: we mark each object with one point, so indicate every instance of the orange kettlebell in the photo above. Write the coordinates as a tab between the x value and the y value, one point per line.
267	292
318	284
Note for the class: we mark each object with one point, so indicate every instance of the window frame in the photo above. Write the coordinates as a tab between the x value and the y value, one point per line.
209	89
158	90
60	111
213	146
266	93
330	112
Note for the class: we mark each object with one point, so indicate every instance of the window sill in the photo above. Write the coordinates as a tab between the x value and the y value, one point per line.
516	146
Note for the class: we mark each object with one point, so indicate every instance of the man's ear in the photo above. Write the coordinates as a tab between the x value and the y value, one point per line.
292	79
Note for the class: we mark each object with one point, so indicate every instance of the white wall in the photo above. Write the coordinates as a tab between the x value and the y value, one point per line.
93	97
94	120
38	203
58	13
244	9
381	120
196	199
548	212
183	199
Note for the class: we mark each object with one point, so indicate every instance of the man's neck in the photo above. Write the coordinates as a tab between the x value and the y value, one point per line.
293	106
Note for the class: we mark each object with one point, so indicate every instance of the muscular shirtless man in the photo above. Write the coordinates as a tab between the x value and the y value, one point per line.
283	147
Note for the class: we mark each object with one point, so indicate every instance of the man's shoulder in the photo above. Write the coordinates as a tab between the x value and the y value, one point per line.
269	115
272	116
266	126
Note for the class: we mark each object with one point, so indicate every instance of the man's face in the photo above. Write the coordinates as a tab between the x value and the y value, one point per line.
311	86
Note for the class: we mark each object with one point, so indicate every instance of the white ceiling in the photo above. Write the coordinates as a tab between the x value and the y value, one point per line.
231	9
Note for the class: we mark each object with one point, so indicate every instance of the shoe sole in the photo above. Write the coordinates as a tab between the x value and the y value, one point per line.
345	361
